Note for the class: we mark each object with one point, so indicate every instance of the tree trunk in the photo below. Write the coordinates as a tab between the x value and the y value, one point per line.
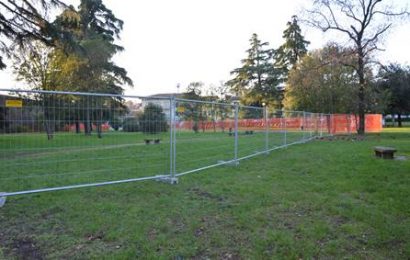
47	126
361	95
99	124
77	127
99	130
399	120
4	124
328	124
87	123
393	120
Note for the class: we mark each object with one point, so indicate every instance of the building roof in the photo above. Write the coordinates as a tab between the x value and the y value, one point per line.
166	95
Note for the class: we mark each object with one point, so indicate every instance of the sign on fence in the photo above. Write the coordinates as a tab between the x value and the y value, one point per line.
14	103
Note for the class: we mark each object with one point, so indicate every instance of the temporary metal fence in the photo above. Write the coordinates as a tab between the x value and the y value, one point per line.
55	140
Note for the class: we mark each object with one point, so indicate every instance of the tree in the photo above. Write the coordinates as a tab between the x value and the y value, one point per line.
131	124
363	22
88	66
221	92
34	64
396	80
193	110
22	21
255	82
153	120
320	83
294	47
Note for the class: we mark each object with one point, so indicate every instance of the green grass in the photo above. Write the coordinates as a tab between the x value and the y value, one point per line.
323	199
30	161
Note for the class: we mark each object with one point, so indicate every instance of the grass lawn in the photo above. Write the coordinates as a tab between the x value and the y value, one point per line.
323	199
30	161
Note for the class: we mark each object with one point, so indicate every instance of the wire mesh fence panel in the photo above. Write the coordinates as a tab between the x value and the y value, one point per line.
50	140
59	140
252	138
276	128
311	125
294	126
324	125
204	134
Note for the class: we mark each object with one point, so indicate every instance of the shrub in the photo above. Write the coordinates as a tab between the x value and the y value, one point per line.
153	120
131	124
195	127
115	123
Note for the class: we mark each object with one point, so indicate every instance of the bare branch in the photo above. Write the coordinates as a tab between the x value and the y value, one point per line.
376	36
385	13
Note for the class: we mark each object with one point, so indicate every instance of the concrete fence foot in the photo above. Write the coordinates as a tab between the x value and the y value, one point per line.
2	199
167	179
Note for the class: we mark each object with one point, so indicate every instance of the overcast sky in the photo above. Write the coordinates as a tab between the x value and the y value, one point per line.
180	41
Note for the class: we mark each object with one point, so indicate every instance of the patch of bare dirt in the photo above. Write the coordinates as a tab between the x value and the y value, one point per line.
152	234
205	195
97	236
25	248
350	138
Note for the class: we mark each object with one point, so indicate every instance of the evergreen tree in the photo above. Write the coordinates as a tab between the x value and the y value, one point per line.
86	63
294	47
153	120
193	110
396	80
255	82
94	29
23	21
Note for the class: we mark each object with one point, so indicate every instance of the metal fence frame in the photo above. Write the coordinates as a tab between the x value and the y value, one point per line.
172	177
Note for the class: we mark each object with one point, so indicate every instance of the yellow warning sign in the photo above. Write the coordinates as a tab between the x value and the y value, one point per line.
14	103
181	109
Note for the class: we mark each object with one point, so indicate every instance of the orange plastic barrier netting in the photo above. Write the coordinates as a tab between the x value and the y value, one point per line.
344	123
335	124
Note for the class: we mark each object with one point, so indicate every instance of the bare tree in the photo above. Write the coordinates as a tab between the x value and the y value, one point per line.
364	22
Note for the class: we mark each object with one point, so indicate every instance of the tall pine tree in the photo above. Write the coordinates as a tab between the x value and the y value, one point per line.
294	47
255	82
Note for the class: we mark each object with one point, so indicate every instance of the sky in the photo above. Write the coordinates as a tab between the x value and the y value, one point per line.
177	42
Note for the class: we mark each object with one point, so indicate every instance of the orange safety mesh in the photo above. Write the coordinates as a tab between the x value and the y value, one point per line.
336	123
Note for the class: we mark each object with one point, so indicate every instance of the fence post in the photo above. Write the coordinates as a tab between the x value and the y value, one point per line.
265	111
304	126
236	104
311	124
321	124
2	199
332	131
172	142
285	127
174	170
171	136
